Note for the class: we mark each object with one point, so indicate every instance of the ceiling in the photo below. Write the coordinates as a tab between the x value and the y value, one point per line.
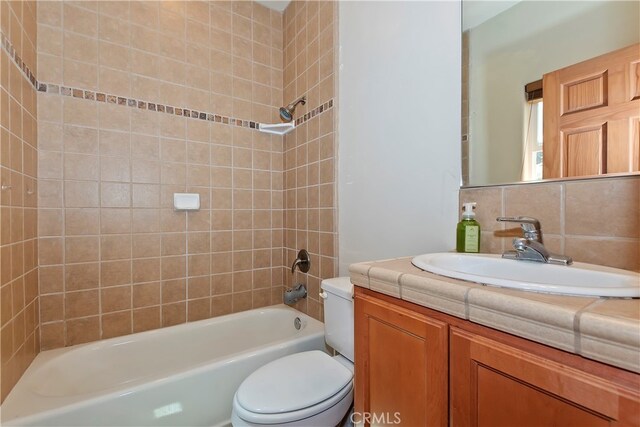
279	5
475	12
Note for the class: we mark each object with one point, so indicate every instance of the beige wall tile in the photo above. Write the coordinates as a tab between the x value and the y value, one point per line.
81	276
81	249
81	221
613	252
115	299
173	314
81	304
116	324
115	273
605	207
50	222
79	20
78	194
542	201
146	294
52	335
80	48
115	246
145	319
82	330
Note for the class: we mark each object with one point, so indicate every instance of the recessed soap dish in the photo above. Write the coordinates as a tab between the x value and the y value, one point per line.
186	201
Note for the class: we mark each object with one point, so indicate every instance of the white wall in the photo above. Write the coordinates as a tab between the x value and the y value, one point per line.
518	47
399	128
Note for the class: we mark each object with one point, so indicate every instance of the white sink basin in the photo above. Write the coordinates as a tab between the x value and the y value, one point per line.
576	279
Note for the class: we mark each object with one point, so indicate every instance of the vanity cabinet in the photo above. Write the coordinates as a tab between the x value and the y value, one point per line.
436	370
401	368
494	384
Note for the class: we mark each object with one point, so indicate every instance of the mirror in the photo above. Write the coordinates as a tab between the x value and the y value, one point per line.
509	44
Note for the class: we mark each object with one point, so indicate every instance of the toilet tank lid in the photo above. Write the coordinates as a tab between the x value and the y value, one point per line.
340	286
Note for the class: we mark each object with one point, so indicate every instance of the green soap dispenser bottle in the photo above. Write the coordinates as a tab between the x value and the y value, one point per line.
468	230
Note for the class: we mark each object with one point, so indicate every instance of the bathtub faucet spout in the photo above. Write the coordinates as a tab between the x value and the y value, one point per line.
291	296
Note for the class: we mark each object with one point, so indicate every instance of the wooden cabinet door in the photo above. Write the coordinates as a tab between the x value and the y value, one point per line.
493	385
401	366
592	116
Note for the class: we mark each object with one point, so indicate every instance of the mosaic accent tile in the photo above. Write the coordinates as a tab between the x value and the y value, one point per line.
315	112
168	109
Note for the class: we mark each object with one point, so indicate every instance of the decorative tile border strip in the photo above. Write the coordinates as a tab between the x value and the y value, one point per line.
143	105
167	109
315	112
13	55
138	103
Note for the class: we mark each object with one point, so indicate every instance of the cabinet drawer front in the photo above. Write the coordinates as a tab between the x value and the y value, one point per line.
495	384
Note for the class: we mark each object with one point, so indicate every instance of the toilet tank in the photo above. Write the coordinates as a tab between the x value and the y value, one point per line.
338	314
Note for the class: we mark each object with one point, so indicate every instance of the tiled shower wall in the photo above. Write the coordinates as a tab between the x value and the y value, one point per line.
115	145
309	156
19	334
591	220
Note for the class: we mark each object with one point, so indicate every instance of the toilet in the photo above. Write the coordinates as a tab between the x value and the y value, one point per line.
309	388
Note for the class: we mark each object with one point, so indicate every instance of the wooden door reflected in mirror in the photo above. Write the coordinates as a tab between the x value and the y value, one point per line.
592	116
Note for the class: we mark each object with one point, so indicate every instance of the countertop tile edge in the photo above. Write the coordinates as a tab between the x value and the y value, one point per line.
384	281
610	340
359	274
435	294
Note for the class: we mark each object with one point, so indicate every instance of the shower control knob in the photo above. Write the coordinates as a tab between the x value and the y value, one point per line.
302	262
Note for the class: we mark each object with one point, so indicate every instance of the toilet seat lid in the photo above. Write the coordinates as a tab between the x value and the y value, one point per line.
292	383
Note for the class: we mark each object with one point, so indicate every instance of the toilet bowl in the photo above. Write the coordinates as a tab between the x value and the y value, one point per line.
309	388
303	389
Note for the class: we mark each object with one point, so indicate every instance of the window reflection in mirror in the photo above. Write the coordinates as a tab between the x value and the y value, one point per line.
508	44
532	150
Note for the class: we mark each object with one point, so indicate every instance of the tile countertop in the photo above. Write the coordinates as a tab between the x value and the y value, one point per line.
607	330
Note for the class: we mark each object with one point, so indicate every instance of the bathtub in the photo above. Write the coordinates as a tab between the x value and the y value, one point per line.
181	375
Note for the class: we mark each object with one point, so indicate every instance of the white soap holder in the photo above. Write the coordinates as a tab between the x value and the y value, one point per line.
186	201
277	128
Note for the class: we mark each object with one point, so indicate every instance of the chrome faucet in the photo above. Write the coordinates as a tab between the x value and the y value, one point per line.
530	248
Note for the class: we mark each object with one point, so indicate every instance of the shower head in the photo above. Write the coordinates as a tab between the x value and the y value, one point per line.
286	113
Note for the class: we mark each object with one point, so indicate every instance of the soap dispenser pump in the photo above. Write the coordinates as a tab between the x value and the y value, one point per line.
468	230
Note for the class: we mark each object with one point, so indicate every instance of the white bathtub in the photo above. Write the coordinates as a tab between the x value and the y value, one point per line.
182	375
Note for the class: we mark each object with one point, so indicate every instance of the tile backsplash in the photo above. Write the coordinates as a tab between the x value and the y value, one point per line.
592	220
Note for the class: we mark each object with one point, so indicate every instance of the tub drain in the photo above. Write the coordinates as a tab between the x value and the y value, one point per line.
297	323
